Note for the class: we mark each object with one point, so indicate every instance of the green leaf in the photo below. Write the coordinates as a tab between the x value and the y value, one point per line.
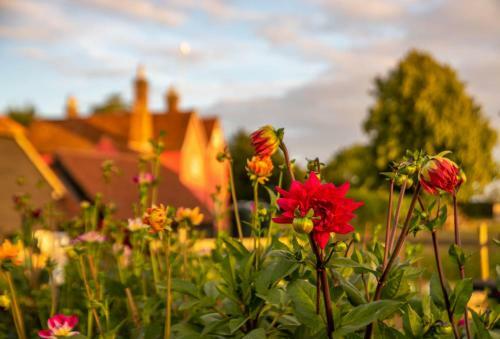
361	316
273	273
387	332
391	288
457	253
185	287
461	295
349	263
412	323
236	323
303	294
258	333
235	246
480	330
355	296
436	292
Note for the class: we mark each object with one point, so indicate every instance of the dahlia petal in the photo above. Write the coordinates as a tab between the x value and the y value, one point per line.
46	334
321	238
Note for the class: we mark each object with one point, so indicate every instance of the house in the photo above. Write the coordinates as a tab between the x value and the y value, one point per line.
75	147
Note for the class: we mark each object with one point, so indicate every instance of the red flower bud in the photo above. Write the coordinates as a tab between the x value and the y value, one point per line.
441	174
265	141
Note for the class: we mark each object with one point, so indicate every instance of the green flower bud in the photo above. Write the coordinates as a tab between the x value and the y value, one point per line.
410	169
356	237
444	329
303	225
340	246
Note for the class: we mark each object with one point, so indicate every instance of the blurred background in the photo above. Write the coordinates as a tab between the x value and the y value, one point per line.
355	83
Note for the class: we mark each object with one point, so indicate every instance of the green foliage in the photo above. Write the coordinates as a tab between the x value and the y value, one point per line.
23	115
354	164
422	104
114	103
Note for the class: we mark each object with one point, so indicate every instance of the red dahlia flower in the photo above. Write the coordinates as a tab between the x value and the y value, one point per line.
265	140
441	174
332	210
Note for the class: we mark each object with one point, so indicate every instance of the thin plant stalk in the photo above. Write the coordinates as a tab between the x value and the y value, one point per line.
235	201
396	216
271	223
154	266
439	267
16	312
321	272
89	293
133	308
461	267
53	293
168	269
394	255
388	222
287	161
256	223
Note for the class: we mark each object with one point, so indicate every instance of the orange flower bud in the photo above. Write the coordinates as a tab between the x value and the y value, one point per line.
9	251
191	216
260	169
156	217
266	141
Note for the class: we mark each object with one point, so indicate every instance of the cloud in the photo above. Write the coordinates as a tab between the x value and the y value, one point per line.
326	113
143	10
38	21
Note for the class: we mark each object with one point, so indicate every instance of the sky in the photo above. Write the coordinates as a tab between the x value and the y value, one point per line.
305	65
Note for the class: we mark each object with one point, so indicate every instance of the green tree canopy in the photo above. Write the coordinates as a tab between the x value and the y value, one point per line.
421	104
113	103
354	164
22	114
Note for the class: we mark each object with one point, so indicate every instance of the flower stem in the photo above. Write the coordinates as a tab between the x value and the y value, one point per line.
89	293
388	223
439	267
394	255
287	161
461	267
396	216
168	268
235	200
256	223
321	272
16	312
133	307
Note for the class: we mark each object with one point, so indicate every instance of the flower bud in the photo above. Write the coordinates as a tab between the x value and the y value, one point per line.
340	246
440	174
4	301
303	224
265	141
410	169
260	169
356	237
156	217
401	179
444	329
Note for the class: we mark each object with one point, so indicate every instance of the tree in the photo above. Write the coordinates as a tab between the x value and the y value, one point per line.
113	103
421	104
22	114
354	164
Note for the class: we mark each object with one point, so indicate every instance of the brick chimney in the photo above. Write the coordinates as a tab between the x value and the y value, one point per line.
141	130
173	100
71	107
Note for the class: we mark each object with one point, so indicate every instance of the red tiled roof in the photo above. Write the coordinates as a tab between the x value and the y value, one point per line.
83	169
